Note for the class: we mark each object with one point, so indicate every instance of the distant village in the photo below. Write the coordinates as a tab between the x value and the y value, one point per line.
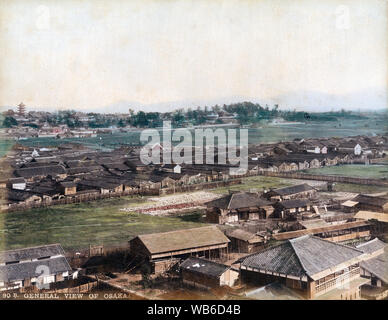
20	124
295	242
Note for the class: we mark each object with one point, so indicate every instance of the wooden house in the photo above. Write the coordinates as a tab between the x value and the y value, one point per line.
207	274
68	188
235	207
30	174
299	191
292	208
333	232
243	241
21	268
157	249
17	183
371	203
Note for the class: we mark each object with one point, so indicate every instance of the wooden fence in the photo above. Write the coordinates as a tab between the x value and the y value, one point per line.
329	178
100	196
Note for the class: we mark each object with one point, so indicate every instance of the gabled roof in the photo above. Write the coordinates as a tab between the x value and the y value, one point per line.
239	200
370	200
371	215
205	267
372	246
31	253
243	235
28	270
183	239
304	256
40	171
377	266
314	223
293	189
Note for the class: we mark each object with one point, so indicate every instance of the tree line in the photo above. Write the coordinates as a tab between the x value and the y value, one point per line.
243	112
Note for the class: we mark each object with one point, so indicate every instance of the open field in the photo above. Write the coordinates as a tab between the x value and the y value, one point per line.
76	226
266	133
258	183
354	170
5	145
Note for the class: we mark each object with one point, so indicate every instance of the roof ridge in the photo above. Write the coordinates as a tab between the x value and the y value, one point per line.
296	253
230	200
340	244
242	259
34	247
367	242
209	261
211	226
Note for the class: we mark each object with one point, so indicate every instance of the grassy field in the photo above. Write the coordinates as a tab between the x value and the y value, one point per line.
354	170
359	188
78	225
5	145
257	183
262	134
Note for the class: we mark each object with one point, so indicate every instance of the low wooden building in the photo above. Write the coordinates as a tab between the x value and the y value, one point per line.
370	203
158	248
35	266
243	241
313	267
290	209
207	274
17	183
333	232
240	206
68	188
299	191
41	172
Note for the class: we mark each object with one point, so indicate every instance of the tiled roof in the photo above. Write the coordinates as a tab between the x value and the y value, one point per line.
205	267
306	255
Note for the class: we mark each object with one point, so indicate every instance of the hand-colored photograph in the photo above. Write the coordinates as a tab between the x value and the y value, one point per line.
164	150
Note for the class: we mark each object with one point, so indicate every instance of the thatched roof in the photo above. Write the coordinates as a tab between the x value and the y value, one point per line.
304	256
183	239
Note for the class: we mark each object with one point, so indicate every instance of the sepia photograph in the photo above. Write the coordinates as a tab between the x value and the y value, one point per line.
193	158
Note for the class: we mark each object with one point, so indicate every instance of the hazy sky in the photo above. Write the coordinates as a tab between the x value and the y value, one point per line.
91	54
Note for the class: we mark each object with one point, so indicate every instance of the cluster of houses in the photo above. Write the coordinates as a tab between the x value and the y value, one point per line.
76	173
319	258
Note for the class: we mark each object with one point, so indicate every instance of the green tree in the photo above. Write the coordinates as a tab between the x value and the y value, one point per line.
9	122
